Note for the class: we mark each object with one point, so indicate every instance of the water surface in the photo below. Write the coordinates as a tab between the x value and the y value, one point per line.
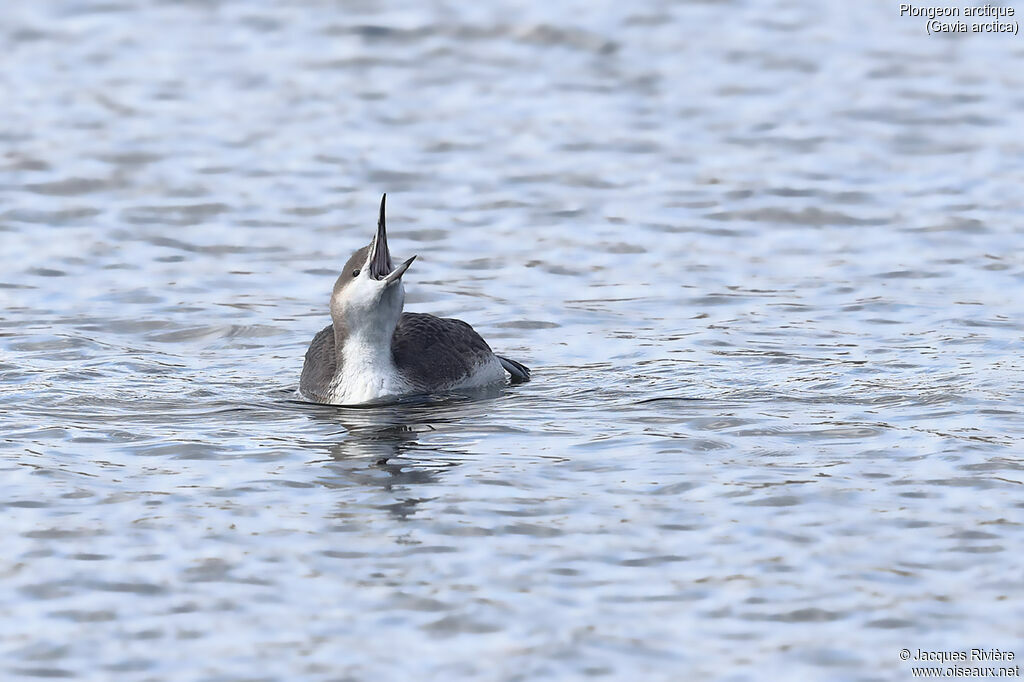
763	258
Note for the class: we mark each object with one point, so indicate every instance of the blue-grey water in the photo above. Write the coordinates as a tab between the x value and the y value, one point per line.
764	258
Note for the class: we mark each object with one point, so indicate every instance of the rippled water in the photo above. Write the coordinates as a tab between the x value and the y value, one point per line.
764	259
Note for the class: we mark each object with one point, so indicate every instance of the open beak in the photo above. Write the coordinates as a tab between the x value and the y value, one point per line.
399	271
380	257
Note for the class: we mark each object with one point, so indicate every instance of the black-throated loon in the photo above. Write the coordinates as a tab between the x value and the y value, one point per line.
372	350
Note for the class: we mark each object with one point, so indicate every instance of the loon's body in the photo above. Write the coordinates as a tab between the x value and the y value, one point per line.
372	350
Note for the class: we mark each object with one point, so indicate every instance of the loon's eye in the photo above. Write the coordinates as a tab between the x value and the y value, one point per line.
355	273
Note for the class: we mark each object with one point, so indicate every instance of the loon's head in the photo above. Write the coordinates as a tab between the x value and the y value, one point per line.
369	294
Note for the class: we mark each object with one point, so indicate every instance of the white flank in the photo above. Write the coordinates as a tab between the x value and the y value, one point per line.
485	374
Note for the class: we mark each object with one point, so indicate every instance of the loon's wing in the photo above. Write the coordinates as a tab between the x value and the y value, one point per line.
435	352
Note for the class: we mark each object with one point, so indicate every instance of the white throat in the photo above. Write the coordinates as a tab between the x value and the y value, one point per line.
366	369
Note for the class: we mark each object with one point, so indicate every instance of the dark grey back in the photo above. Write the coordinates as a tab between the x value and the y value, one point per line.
320	365
432	352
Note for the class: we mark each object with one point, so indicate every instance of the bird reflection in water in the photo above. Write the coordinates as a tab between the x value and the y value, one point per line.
398	448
